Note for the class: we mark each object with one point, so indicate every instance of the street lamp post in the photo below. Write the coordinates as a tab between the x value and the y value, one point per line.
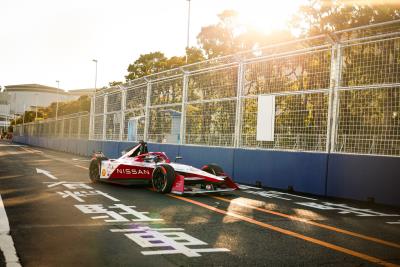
188	30
95	75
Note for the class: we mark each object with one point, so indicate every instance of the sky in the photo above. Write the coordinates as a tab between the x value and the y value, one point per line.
43	41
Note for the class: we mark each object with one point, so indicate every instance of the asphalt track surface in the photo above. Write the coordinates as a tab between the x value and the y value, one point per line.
251	227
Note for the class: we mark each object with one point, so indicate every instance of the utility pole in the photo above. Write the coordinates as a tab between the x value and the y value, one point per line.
188	31
95	75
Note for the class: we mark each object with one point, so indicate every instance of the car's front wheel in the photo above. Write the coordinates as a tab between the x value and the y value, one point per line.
94	169
213	169
163	178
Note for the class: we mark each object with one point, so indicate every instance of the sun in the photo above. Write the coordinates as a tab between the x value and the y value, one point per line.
267	16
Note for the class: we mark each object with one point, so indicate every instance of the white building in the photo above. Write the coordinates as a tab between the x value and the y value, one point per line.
15	99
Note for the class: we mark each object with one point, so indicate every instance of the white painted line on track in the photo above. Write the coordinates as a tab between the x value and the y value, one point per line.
75	159
47	173
86	168
6	242
293	195
244	187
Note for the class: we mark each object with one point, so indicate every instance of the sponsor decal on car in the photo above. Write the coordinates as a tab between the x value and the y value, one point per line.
132	171
103	172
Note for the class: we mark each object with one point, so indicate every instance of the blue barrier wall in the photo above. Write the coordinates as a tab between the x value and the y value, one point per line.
338	175
305	172
361	177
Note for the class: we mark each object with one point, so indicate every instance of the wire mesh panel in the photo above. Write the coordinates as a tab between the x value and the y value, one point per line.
74	130
67	128
211	123
136	97
213	84
369	121
98	127
84	130
305	71
113	126
371	63
59	127
166	91
99	104
52	128
134	125
164	124
114	102
300	123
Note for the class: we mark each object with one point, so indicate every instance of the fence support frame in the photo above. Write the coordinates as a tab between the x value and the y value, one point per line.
239	100
105	117
147	112
185	89
123	108
336	69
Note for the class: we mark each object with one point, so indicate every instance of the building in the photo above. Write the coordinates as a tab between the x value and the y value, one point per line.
15	99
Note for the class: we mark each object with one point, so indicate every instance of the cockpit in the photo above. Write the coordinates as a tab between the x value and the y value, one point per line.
141	153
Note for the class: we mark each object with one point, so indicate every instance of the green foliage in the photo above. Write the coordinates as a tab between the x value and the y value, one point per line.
147	64
320	16
82	104
114	83
228	36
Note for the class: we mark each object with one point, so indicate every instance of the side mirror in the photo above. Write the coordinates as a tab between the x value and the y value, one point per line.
178	158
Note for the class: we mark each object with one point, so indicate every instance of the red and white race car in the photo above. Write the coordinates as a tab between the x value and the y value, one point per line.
138	165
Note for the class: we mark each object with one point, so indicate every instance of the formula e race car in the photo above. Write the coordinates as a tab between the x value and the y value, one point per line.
138	165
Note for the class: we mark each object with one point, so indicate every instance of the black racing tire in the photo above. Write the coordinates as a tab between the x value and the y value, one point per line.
163	178
213	169
94	169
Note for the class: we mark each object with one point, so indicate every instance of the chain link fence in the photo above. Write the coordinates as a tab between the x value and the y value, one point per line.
333	93
75	126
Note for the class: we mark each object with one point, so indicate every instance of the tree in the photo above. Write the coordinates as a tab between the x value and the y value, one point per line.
321	16
115	83
194	55
147	64
228	36
217	40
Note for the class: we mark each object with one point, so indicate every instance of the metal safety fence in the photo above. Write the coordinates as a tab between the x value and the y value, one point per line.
337	92
74	126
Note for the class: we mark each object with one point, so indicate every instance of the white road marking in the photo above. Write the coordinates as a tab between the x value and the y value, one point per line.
244	187
86	168
48	174
30	150
398	222
6	242
75	159
309	198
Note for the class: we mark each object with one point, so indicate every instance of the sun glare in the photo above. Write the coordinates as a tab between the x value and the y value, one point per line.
267	16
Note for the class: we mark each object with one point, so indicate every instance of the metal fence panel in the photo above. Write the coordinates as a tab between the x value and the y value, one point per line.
300	123
136	97
211	123
369	121
164	126
338	93
84	129
166	91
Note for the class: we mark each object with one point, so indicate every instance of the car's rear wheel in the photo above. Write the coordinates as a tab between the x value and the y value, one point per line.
213	169
94	169
163	178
